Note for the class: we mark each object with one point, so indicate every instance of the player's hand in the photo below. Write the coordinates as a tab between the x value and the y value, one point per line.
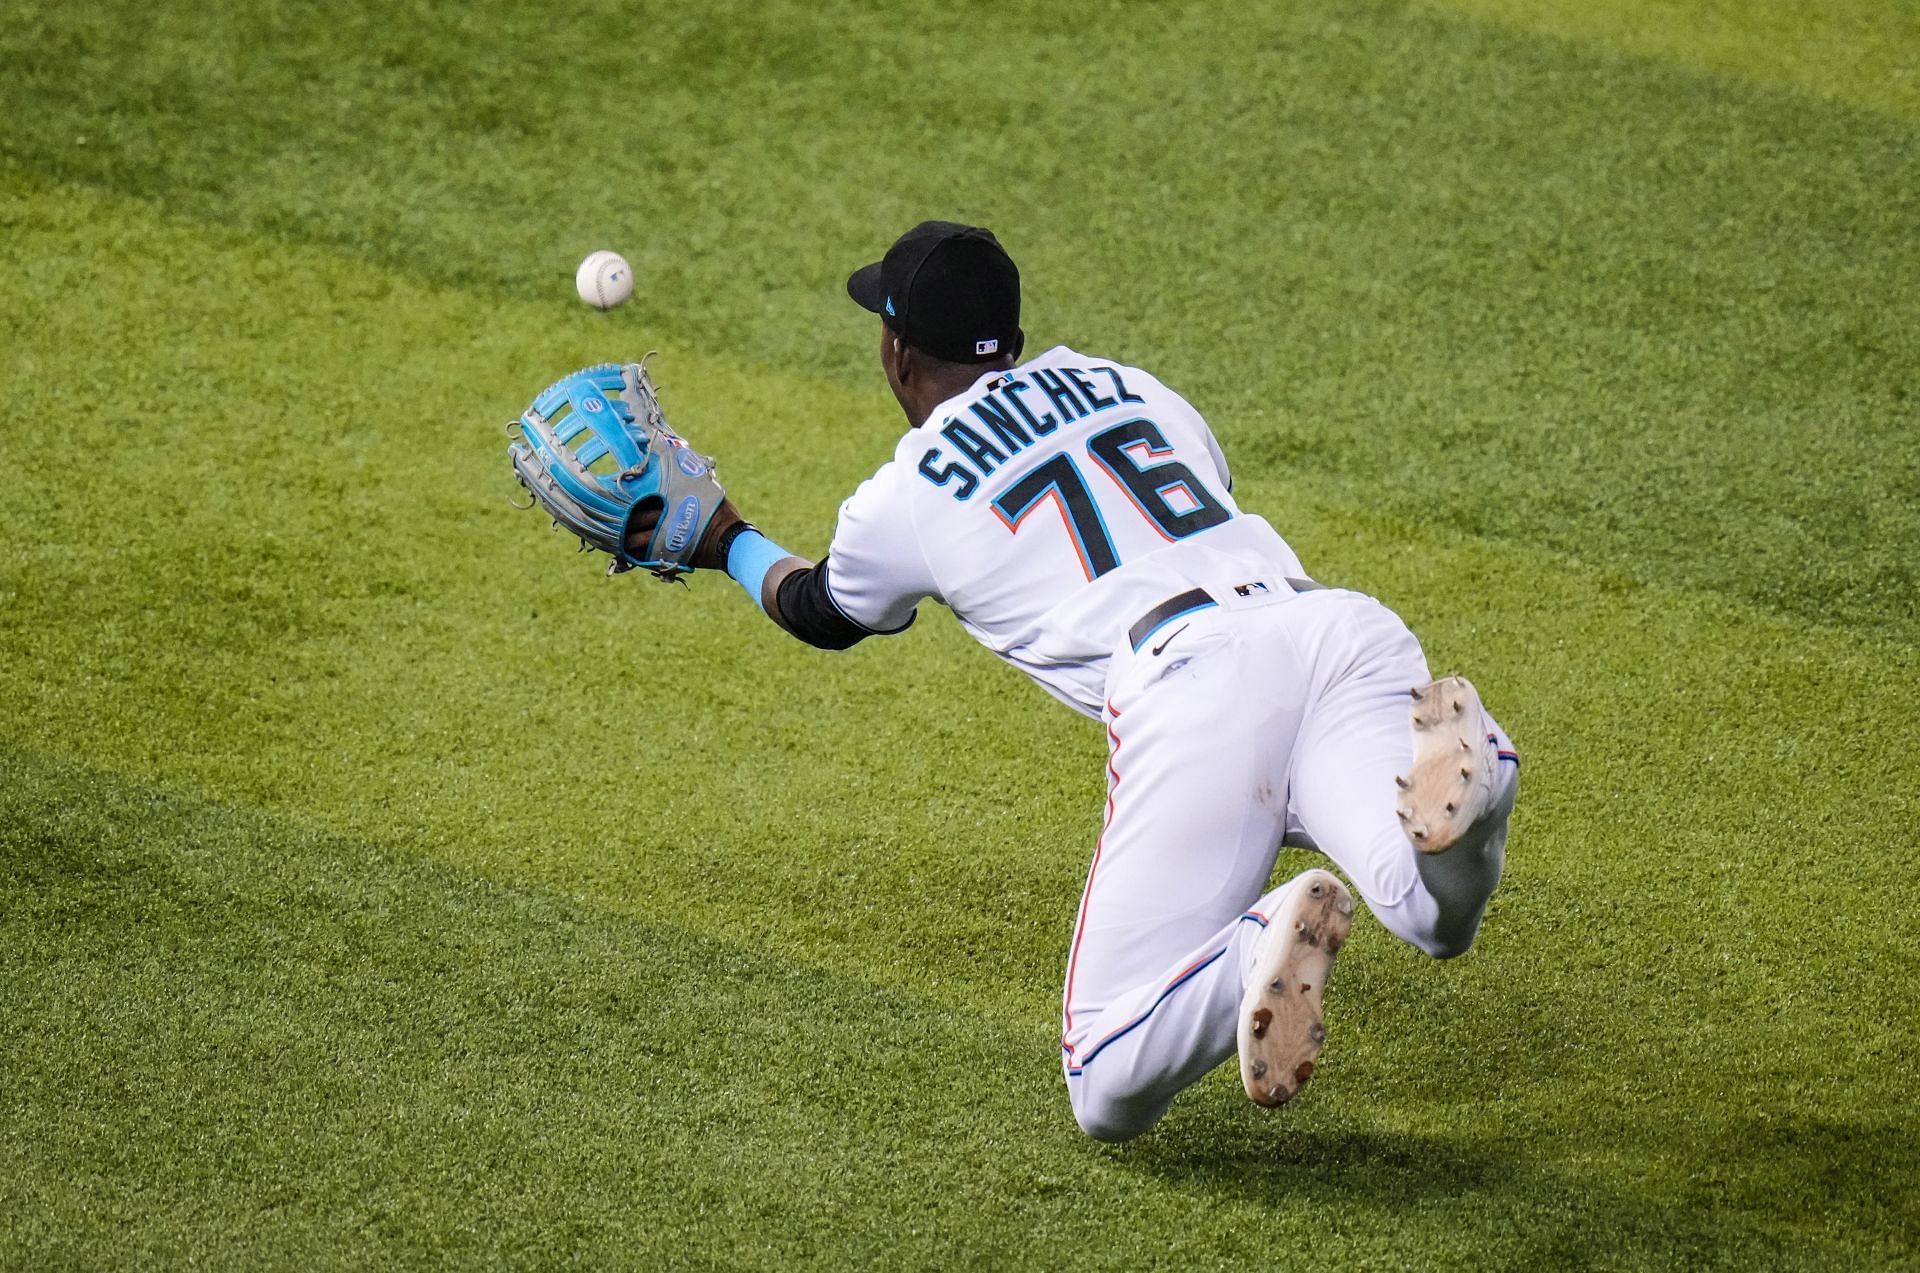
706	556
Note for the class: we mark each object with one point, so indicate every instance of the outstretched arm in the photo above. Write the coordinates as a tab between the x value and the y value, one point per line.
611	412
788	588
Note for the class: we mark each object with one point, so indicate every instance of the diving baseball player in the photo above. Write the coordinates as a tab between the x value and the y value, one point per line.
1077	517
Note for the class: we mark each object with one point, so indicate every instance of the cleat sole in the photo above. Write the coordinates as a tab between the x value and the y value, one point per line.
1442	798
1282	1028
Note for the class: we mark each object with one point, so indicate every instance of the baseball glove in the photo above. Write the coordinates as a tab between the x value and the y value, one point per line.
594	450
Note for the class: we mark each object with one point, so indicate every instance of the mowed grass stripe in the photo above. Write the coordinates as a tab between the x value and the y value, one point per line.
1861	52
350	642
230	1039
1646	316
233	1042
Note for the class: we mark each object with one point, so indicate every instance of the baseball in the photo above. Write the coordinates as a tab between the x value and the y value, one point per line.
604	279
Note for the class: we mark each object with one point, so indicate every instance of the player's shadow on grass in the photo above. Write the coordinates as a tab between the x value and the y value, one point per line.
1325	1164
1784	1182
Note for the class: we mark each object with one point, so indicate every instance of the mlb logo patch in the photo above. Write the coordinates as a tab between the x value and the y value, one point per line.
986	347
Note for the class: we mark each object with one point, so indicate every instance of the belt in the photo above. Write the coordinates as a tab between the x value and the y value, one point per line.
1189	602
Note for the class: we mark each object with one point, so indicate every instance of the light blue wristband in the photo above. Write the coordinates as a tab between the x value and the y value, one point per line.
749	558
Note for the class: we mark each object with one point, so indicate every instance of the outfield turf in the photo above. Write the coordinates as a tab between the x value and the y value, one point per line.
380	885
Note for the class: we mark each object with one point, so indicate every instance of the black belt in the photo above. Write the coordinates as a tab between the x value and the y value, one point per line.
1193	599
1166	612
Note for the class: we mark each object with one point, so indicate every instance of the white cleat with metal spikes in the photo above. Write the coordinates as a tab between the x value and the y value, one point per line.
1281	1028
1455	777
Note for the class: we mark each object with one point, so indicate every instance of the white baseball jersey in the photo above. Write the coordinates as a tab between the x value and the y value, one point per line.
1053	507
1049	506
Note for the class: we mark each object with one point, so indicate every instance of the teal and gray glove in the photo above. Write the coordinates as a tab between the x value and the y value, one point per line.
595	452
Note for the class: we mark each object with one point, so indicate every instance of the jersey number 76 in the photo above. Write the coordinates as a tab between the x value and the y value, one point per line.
1126	452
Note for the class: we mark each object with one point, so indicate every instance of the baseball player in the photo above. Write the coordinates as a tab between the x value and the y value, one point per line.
1077	517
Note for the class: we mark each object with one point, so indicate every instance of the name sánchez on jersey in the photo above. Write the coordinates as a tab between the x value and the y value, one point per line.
1008	424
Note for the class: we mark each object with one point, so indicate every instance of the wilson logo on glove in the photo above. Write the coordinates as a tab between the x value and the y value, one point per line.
684	522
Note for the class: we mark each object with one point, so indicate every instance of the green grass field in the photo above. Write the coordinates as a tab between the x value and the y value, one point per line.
380	885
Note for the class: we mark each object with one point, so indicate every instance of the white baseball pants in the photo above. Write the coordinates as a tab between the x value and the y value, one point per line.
1282	717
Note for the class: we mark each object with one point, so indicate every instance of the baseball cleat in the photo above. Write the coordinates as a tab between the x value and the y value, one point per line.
1455	766
1281	1028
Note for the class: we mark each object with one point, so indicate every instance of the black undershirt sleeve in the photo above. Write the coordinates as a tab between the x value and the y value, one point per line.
810	613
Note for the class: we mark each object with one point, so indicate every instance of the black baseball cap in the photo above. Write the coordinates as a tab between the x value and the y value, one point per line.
948	289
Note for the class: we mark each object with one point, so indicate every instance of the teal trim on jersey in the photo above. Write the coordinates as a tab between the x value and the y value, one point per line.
749	558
